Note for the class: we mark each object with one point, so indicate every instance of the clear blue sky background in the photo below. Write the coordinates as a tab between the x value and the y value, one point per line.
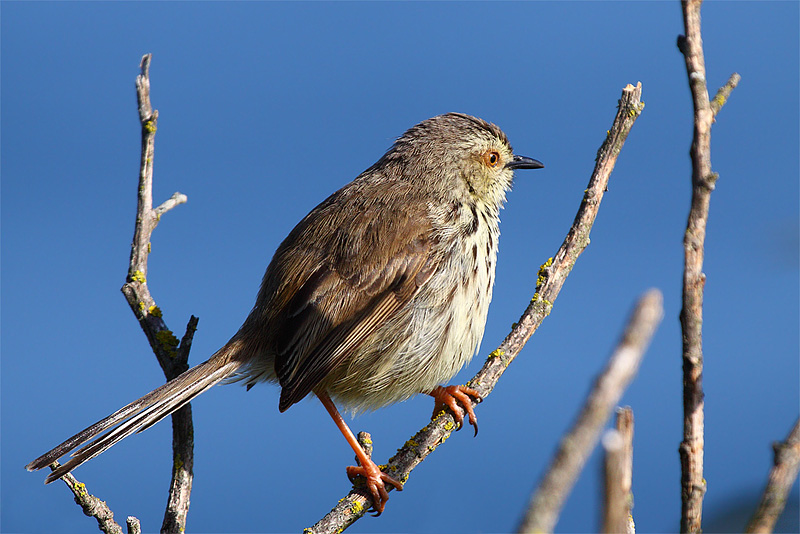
265	109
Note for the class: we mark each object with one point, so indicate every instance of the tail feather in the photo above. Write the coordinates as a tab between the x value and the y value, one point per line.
136	416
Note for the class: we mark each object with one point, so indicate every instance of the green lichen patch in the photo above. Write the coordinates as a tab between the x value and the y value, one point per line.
80	489
541	278
497	353
357	508
168	341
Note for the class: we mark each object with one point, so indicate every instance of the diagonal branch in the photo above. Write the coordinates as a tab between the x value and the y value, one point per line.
92	506
576	446
693	485
550	280
724	92
781	478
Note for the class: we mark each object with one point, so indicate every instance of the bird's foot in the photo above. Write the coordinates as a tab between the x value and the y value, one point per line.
457	398
376	481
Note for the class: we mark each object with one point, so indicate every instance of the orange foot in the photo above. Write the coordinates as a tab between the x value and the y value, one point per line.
376	483
457	398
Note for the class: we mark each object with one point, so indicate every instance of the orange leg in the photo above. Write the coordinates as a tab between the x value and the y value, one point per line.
376	479
451	397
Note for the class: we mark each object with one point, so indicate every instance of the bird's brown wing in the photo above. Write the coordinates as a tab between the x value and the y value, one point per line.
334	312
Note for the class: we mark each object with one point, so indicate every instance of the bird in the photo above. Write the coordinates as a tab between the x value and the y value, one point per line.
380	293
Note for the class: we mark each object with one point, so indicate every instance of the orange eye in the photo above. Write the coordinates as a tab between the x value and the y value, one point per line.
491	159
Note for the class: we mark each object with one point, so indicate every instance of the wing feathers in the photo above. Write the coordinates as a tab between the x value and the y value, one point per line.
370	302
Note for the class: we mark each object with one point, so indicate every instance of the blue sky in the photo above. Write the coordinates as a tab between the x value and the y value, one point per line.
265	109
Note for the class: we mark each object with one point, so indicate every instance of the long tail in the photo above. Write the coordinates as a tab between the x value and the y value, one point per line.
138	415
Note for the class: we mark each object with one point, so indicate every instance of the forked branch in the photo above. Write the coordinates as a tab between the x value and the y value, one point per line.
173	356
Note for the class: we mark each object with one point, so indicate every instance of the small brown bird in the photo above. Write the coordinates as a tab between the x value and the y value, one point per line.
378	294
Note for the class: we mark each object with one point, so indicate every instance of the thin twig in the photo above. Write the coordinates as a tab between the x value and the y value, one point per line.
724	92
551	278
576	446
781	478
91	505
172	355
171	202
618	445
693	484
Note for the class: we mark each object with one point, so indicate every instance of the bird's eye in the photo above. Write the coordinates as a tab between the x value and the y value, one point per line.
491	158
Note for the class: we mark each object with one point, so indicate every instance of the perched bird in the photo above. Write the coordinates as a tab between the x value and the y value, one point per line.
378	294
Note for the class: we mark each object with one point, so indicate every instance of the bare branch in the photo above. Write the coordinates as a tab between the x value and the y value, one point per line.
781	477
693	484
618	445
551	278
91	505
576	446
172	355
182	450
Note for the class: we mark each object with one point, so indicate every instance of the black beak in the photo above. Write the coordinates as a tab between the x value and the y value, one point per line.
523	162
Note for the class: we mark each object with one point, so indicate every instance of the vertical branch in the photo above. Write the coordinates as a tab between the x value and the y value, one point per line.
172	355
618	474
693	485
783	474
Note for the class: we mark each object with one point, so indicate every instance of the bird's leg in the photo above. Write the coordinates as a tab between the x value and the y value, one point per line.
452	397
376	479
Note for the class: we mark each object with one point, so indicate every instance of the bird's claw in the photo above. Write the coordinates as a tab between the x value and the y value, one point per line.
376	481
457	398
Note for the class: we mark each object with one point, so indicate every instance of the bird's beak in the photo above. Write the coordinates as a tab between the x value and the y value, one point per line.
524	162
